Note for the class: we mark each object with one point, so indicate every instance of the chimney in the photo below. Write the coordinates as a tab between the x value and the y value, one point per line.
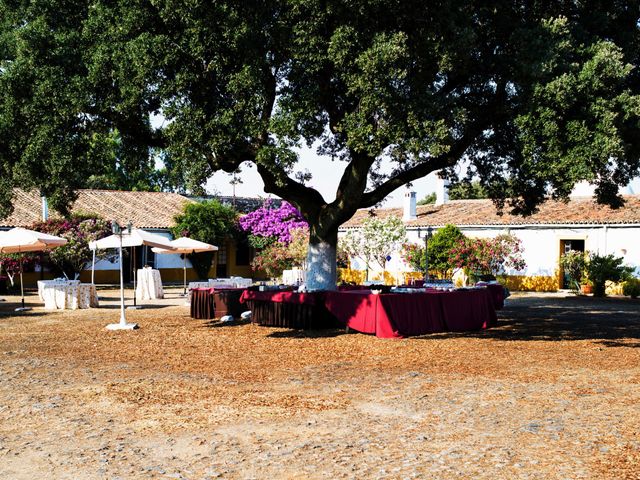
442	191
45	209
409	208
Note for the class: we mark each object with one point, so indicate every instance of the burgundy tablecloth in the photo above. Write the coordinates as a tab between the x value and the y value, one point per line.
202	303
497	293
227	301
405	314
279	297
288	309
208	303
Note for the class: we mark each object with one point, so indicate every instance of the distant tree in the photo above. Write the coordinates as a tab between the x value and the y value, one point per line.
375	240
79	229
209	221
467	191
440	246
428	199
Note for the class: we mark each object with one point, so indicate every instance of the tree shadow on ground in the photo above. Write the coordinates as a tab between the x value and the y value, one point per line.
603	320
216	323
325	333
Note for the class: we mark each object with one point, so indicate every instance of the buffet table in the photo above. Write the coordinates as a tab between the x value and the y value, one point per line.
202	303
397	315
497	293
63	295
208	303
149	285
288	309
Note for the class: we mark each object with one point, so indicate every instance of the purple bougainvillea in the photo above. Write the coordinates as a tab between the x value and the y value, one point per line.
273	224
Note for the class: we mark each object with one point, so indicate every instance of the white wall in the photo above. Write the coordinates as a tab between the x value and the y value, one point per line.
542	245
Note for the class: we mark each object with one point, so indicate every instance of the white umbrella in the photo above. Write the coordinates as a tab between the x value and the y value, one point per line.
136	238
21	240
185	245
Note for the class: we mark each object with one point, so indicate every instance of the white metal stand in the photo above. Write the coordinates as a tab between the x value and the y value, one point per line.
22	308
123	325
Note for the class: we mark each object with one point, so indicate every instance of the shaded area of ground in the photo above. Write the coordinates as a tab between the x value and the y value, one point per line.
553	392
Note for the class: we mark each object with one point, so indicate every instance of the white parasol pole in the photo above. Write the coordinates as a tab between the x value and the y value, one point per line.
21	284
93	266
123	325
123	319
184	274
22	308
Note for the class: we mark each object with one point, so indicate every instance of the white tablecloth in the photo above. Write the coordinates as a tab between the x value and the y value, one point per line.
233	282
242	282
149	284
58	281
294	277
68	295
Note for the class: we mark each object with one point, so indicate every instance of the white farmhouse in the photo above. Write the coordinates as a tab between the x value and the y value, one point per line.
579	224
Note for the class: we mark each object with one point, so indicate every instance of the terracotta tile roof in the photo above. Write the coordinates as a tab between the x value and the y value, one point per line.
144	209
483	212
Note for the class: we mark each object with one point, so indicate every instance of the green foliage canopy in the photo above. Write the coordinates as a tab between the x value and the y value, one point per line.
536	95
440	246
210	222
603	268
467	191
428	199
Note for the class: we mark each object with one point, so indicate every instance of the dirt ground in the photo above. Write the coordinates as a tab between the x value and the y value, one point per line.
552	393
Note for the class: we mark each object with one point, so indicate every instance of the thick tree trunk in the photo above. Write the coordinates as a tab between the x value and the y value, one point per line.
321	261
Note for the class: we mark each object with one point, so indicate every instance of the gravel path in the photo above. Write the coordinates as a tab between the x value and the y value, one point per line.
552	393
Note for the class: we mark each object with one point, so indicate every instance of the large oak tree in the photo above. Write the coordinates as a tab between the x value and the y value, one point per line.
536	95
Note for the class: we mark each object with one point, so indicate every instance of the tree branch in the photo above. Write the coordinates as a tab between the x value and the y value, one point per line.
448	159
307	199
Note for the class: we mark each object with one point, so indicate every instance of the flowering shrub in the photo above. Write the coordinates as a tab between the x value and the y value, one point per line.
488	256
71	258
267	225
10	263
413	255
440	246
280	256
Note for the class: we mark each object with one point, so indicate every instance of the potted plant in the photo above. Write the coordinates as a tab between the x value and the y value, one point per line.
586	287
603	268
